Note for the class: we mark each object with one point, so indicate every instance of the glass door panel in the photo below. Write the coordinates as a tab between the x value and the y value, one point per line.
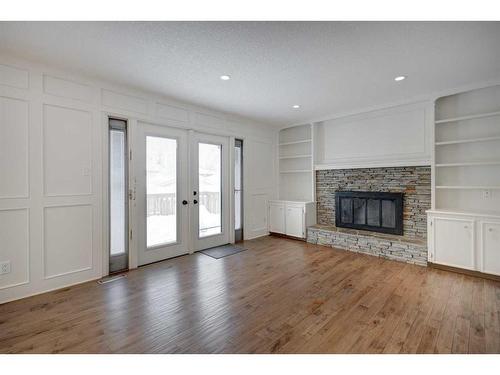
209	183
238	190
161	170
210	189
118	199
161	191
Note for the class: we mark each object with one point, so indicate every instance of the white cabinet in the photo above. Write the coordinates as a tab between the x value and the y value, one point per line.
277	217
454	242
294	219
291	217
490	247
464	240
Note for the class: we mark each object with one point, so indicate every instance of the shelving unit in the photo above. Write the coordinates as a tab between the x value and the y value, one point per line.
467	151
296	163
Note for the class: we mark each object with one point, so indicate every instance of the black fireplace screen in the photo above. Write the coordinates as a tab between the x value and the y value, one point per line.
375	211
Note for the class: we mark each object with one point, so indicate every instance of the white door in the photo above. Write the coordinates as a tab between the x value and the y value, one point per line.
161	170
209	195
454	242
277	217
294	221
490	239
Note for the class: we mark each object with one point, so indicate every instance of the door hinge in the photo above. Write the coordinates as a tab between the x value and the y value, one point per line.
130	152
130	234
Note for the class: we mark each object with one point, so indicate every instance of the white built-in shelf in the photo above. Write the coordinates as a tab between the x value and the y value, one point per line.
297	171
469	140
295	142
469	117
490	187
296	157
469	164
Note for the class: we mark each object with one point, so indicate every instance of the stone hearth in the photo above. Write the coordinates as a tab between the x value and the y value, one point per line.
414	182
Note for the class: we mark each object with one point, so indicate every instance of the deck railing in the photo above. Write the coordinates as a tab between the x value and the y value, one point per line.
165	204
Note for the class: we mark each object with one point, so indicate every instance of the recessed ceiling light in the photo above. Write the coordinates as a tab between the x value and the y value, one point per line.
296	106
400	78
225	77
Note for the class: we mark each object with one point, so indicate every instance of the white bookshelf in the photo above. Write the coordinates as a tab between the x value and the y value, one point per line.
296	163
467	151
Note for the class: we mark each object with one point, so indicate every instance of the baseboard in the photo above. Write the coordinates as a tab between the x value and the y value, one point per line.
464	271
286	236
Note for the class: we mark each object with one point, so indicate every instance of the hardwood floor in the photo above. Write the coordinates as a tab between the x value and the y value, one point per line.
280	296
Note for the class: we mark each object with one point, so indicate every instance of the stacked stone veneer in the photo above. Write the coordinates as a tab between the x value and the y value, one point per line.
414	182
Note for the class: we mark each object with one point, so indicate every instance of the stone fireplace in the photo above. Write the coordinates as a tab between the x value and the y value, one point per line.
407	242
372	211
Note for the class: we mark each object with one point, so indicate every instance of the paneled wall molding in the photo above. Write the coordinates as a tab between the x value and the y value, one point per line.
390	137
57	128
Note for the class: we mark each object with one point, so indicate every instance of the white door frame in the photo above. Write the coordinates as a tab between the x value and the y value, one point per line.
181	246
224	237
134	217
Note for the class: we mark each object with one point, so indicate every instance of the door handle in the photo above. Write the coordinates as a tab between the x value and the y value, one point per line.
184	202
195	201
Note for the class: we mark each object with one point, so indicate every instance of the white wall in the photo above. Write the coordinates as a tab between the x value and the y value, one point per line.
53	127
395	136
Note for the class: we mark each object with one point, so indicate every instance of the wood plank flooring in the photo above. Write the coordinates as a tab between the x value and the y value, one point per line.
280	296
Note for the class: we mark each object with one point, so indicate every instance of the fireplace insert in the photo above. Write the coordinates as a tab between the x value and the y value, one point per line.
373	211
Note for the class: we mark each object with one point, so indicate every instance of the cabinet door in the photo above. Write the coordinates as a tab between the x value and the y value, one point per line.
490	246
294	221
277	218
454	242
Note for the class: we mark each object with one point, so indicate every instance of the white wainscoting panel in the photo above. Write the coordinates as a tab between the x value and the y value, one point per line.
67	240
54	163
67	89
14	240
67	146
124	101
14	77
205	120
172	113
14	143
398	136
258	218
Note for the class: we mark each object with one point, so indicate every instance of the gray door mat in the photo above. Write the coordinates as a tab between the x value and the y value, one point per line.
222	251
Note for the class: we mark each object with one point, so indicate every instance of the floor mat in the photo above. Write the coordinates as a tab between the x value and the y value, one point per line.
222	251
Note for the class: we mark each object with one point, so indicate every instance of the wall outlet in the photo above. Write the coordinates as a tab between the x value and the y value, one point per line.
5	267
486	194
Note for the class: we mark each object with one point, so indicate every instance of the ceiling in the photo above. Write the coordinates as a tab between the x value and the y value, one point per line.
326	67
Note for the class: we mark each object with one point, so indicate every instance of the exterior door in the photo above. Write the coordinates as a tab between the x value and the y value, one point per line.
209	195
161	192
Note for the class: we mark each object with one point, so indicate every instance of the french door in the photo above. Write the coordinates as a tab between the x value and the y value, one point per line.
181	191
209	190
161	189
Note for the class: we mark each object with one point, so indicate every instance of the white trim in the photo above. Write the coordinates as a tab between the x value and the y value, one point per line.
376	164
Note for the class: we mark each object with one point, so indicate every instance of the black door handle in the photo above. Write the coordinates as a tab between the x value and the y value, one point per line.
184	202
195	201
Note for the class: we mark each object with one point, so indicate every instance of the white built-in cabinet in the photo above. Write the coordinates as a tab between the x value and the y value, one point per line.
277	217
464	240
296	164
291	218
490	246
464	224
296	210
